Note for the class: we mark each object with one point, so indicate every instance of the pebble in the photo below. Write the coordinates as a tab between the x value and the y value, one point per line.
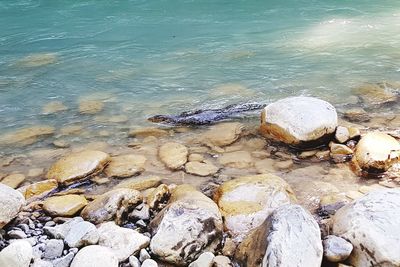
149	263
336	249
144	255
342	134
134	262
204	260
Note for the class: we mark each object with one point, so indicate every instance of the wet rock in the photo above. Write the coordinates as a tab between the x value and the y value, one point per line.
38	189
342	134
61	144
140	183
157	196
222	261
238	160
17	254
13	180
125	166
95	256
299	121
336	249
204	260
246	202
196	157
283	165
377	152
370	224
11	201
53	107
38	60
288	237
90	106
54	249
222	134
146	132
74	129
62	230
201	168
82	234
77	166
189	224
35	172
356	115
149	263
122	241
376	94
173	155
113	205
26	136
67	205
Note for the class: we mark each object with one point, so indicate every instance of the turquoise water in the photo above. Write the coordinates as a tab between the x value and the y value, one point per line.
149	57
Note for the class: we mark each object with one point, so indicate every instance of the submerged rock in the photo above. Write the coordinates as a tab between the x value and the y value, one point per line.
11	201
222	134
112	205
67	205
288	237
17	254
376	94
125	166
201	168
77	166
53	107
26	136
371	224
299	121
173	155
187	226
237	159
90	106
38	60
95	256
148	131
377	152
245	202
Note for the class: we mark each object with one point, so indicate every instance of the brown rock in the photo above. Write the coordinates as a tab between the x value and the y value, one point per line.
35	172
13	180
223	134
239	160
140	183
90	106
67	205
173	155
26	136
146	132
158	195
38	60
125	166
357	115
53	107
376	94
38	189
201	168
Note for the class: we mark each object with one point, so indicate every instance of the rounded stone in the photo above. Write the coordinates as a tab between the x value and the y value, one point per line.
11	202
82	234
173	155
67	205
298	120
149	263
201	168
222	134
336	249
125	166
17	254
95	256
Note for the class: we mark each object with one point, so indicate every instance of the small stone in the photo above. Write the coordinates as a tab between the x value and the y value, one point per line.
26	136
342	134
339	149
196	157
158	195
67	205
125	166
146	132
222	261
222	134
149	263
336	249
95	256
16	234
82	234
284	165
140	183
323	155
53	107
173	155
13	180
144	255
38	189
61	144
134	262
357	115
54	249
229	247
141	212
61	231
17	254
204	260
65	261
354	133
307	154
201	168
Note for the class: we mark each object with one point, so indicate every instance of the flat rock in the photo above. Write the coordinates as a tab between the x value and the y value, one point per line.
201	168
376	94
111	205
26	136
371	225
11	201
237	159
17	254
204	260
38	189
190	224
336	249
53	107
356	115
140	183
77	166
13	180
299	121
95	256
67	205
125	166
148	131
82	234
90	106
173	155
245	202
123	242
342	134
222	134
377	152
288	237
61	231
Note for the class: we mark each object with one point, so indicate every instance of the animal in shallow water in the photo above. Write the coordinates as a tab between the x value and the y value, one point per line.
206	116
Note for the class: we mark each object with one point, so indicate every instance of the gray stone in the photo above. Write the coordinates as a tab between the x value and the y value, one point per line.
54	249
149	263
371	225
82	234
290	236
144	255
64	261
95	256
336	249
16	234
134	262
11	202
204	260
61	231
17	254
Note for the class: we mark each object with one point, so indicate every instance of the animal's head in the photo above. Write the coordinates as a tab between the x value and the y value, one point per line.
159	119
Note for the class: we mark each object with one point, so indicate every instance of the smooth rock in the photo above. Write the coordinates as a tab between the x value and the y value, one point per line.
376	94
245	202
53	107
122	241
13	180
16	234
78	165
82	234
196	157
201	168
238	160
222	261
336	249
356	115
144	255
41	263
204	260
38	189
64	261
125	166
11	201
54	249
67	205
299	120
290	236
90	106
342	134
140	183
187	226
61	231
134	262
35	172
377	152
371	225
26	136
222	134
111	205
173	155
149	263
95	256
17	254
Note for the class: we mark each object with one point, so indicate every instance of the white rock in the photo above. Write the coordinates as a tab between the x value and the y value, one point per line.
149	263
134	262
222	261
122	241
295	120
11	202
95	256
54	249
82	234
371	224
61	231
336	249
17	254
204	260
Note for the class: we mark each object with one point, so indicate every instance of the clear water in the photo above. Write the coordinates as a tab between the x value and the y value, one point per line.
149	57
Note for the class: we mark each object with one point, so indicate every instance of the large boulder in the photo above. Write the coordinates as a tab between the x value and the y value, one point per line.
245	202
371	223
299	121
11	202
95	256
290	236
377	152
78	166
113	205
189	225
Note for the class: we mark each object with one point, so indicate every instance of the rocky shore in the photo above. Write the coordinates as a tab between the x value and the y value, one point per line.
307	187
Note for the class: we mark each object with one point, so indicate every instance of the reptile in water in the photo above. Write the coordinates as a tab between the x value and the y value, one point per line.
206	116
